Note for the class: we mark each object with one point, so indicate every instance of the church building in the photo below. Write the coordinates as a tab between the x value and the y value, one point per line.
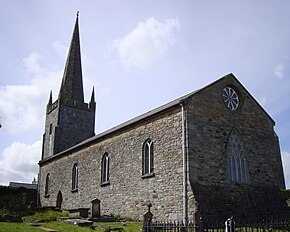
211	153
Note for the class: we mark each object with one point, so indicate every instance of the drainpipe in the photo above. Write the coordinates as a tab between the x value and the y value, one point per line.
184	158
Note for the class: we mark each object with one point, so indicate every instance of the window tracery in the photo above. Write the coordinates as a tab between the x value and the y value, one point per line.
231	98
236	162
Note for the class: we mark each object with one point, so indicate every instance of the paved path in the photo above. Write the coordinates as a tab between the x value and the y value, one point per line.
48	230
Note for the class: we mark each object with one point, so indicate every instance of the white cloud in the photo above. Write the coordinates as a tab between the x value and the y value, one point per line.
19	162
22	109
60	49
32	65
23	106
279	71
146	43
286	167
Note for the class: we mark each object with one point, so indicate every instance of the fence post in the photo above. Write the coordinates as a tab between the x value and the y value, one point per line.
230	225
201	227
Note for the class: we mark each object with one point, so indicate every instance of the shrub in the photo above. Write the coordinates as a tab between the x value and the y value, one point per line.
48	215
4	212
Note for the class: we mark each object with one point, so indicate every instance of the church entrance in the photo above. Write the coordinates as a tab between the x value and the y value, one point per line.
59	200
96	208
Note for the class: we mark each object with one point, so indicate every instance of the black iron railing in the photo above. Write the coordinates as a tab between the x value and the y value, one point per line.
230	225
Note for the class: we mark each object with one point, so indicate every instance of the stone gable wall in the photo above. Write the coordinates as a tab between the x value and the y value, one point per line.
209	126
128	193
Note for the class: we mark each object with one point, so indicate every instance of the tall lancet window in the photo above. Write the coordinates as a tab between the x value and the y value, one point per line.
105	169
75	176
236	162
47	185
148	157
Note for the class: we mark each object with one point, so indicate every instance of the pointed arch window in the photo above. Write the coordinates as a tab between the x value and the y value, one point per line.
148	157
236	161
47	185
75	176
105	169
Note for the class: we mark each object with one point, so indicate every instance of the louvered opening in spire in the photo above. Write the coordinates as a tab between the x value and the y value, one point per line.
72	82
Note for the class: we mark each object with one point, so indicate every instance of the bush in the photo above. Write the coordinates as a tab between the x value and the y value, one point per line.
4	212
48	215
8	216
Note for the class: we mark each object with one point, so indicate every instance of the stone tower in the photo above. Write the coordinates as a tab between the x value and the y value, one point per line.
69	120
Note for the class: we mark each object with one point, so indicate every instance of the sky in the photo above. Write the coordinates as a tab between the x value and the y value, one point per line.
138	55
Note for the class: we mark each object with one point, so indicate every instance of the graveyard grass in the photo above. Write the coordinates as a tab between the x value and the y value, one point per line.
66	227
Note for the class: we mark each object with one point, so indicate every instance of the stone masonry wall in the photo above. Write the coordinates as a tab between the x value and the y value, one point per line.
48	139
209	126
128	193
70	125
75	124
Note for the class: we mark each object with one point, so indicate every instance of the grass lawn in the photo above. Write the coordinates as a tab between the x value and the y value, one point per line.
18	226
66	227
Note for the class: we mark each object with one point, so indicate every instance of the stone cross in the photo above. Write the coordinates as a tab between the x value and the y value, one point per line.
149	207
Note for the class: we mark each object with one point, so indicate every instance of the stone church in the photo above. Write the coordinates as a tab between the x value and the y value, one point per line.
212	152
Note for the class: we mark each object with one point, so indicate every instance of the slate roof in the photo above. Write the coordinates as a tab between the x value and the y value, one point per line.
25	185
148	114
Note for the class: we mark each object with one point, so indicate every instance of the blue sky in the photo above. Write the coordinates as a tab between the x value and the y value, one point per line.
138	55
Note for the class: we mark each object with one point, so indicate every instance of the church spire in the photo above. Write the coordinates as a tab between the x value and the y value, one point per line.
93	95
50	98
72	82
92	103
69	120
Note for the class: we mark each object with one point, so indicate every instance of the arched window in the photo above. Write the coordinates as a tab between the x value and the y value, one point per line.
75	174
236	162
148	157
47	185
59	200
105	169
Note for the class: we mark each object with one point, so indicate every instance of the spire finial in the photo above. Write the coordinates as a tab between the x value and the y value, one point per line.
50	98
78	13
93	95
92	102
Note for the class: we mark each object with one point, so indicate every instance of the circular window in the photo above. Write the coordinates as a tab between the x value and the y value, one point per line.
231	98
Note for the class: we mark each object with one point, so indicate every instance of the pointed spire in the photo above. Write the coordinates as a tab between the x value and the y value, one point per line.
93	95
72	82
92	103
50	98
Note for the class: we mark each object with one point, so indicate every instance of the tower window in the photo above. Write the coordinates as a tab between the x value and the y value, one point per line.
75	173
50	128
105	169
47	186
148	157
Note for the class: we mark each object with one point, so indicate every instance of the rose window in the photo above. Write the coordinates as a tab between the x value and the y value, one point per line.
231	98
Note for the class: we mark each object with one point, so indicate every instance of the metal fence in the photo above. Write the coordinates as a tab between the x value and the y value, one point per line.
169	226
230	225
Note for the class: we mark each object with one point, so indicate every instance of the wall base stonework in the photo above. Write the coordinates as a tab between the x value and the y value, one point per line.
239	201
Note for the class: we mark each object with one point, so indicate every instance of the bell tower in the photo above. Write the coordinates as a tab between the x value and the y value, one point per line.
69	120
